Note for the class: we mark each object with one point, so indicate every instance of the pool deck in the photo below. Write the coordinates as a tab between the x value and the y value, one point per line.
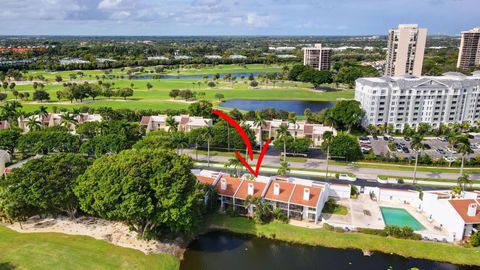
357	217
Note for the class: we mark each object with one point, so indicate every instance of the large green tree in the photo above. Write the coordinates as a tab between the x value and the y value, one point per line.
345	146
105	144
54	139
152	191
345	114
42	186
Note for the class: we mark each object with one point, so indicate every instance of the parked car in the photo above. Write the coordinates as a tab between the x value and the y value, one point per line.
385	138
427	146
441	151
399	149
365	140
443	139
406	138
405	150
450	159
375	137
451	150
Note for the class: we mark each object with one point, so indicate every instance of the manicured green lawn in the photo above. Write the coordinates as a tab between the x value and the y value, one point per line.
157	97
61	251
320	237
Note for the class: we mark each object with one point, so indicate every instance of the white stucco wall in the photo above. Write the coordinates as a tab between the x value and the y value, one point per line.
339	191
443	213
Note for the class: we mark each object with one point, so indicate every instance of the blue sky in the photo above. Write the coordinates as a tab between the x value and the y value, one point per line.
233	17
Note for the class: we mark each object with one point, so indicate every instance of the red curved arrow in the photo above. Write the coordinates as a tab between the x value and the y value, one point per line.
247	143
239	130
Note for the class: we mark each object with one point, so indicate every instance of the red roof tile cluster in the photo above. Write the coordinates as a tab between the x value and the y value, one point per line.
4	124
258	188
297	196
145	120
231	188
206	180
461	206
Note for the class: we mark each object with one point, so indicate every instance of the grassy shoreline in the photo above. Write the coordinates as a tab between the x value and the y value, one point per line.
62	251
320	237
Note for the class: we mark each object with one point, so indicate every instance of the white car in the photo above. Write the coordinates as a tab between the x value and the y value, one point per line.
451	150
450	159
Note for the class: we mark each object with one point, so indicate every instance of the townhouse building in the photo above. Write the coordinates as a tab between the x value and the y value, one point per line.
301	129
299	199
185	123
56	119
450	98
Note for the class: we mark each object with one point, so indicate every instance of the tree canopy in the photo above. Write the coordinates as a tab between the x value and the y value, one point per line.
152	191
42	186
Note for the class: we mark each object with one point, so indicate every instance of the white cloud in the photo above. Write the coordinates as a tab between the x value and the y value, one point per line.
255	20
108	4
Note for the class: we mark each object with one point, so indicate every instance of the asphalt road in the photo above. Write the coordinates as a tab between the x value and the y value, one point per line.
321	164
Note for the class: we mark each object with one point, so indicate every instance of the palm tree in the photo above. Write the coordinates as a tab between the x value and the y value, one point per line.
283	133
180	141
33	123
327	138
42	110
453	139
69	120
236	164
258	122
284	168
171	123
464	180
464	148
417	145
293	121
207	135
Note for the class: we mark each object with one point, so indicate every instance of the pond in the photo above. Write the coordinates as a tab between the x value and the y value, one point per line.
198	76
297	106
223	250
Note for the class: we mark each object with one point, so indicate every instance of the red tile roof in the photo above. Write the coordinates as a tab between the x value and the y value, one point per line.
145	120
297	196
3	124
206	180
308	129
184	120
286	189
461	206
232	186
258	188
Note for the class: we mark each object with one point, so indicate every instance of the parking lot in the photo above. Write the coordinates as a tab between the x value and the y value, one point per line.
436	148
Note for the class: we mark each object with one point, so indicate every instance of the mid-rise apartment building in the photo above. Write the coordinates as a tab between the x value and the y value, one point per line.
450	98
317	57
469	52
405	50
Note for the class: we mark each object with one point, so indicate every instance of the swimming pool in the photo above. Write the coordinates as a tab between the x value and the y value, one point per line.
400	217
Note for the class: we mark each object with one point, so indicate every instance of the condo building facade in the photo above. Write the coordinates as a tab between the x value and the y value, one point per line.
469	51
185	123
300	129
450	98
317	57
405	50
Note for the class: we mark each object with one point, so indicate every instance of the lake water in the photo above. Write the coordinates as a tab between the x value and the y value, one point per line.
223	250
198	76
297	106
